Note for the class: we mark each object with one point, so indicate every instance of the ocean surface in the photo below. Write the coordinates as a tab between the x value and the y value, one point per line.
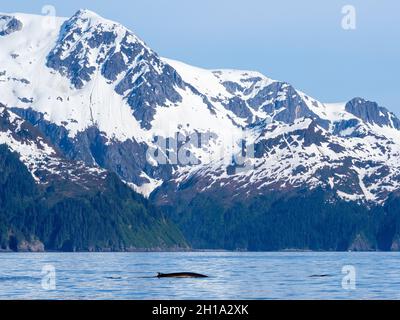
232	275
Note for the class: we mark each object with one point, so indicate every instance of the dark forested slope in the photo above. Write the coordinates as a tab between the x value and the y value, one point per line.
65	216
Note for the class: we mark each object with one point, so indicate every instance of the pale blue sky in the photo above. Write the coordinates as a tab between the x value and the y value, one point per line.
299	41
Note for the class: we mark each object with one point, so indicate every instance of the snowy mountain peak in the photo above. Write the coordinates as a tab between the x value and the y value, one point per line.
87	18
86	13
87	43
100	95
370	112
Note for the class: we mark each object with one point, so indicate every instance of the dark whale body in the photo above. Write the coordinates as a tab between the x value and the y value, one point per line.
181	275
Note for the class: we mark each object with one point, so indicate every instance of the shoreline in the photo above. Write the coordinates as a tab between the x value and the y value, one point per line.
200	251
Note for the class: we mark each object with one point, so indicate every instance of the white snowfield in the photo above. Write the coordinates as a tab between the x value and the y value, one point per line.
26	82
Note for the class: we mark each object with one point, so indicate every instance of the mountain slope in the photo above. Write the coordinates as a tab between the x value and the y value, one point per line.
49	203
182	135
107	99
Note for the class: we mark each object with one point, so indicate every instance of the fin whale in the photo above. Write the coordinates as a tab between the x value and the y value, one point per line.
181	275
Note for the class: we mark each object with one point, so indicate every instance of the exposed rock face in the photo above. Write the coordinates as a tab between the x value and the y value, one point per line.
32	246
42	158
361	243
127	158
144	98
8	25
372	113
278	100
347	128
396	244
281	101
137	72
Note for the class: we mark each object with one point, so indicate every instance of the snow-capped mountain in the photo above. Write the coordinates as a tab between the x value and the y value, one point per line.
103	97
48	202
42	159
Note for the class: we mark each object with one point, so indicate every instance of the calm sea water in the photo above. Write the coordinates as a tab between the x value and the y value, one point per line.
232	275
